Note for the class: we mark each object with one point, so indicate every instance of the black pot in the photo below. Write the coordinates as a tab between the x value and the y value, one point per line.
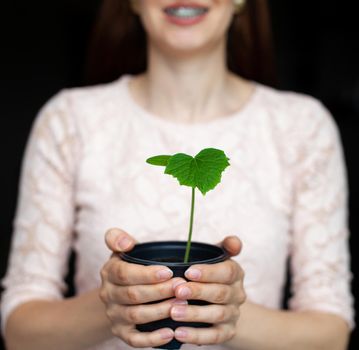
171	254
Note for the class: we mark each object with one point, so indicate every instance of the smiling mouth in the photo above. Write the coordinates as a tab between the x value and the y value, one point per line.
185	11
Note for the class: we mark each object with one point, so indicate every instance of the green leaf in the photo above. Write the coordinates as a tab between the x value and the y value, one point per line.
183	167
159	160
204	171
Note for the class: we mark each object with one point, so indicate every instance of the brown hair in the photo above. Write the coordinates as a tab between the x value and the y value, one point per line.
118	44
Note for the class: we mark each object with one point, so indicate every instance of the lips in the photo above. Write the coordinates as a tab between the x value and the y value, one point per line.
185	11
185	14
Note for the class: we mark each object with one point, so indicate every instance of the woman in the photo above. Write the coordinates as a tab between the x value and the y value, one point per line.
84	172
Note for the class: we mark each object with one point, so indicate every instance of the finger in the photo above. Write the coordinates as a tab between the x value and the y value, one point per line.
140	294
226	272
138	339
212	292
205	336
124	273
118	240
205	313
232	244
140	314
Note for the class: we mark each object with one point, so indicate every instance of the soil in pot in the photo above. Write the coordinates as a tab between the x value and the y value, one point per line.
171	254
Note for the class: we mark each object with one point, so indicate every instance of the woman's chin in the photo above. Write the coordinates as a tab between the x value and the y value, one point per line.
187	46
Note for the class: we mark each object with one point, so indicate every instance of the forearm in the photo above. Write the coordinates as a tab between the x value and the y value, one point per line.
74	323
260	328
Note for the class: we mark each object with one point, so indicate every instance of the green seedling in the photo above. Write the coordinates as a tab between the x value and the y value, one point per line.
203	171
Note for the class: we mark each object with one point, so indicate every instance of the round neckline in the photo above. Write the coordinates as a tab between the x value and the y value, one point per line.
124	80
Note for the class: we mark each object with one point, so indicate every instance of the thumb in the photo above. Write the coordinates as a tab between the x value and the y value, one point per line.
118	240
232	244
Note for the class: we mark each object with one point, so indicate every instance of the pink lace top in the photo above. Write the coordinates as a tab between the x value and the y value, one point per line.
284	195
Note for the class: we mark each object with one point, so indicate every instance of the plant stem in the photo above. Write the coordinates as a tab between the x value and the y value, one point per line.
188	247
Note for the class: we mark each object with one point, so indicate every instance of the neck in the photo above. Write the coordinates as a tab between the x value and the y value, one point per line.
183	88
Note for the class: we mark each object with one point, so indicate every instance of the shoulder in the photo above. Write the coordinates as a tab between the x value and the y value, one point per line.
295	113
93	99
299	123
86	107
292	107
85	96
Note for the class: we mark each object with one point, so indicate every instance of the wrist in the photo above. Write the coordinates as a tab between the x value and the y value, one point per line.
103	324
240	340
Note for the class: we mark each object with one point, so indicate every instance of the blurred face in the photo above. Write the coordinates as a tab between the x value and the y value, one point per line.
185	25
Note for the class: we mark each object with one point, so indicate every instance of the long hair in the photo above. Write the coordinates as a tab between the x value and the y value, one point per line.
118	44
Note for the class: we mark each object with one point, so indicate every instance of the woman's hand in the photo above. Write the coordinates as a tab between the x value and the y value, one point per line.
126	286
220	284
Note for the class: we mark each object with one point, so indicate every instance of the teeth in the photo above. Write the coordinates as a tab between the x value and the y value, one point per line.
185	12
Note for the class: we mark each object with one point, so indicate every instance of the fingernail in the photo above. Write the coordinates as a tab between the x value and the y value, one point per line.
179	302
193	274
177	283
164	274
178	311
123	243
166	333
184	292
181	333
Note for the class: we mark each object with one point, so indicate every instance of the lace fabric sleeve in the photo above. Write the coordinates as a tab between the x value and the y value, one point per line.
320	255
44	217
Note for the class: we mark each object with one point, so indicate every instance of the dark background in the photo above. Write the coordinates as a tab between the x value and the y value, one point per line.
43	46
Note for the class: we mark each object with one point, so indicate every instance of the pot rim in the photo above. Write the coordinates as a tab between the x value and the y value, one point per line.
222	254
